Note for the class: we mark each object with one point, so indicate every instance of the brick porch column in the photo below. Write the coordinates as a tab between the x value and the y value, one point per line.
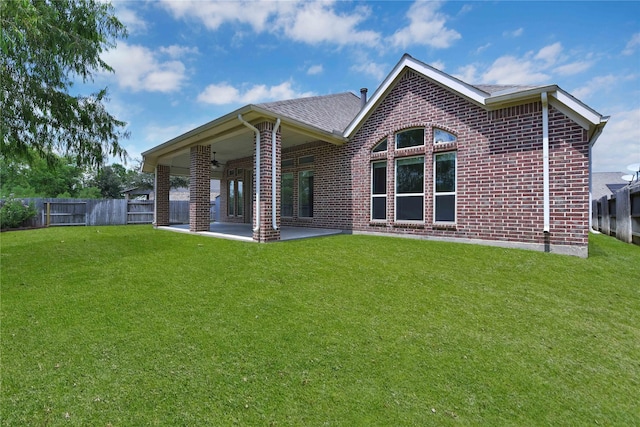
200	188
266	232
161	200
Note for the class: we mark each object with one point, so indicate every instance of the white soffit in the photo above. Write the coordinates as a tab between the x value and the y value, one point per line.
574	109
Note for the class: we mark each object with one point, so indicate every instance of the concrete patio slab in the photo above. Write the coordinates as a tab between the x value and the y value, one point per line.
243	232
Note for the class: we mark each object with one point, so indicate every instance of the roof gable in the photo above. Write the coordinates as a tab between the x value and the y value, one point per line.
490	97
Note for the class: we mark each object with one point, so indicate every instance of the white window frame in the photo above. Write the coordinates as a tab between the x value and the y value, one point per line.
396	195
446	193
385	195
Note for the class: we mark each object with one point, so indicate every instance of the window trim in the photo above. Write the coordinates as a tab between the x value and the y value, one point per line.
396	194
446	193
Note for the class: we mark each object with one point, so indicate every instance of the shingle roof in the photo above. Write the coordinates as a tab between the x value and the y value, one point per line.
328	112
492	89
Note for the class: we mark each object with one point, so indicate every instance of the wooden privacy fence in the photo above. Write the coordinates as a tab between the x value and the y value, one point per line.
70	212
619	215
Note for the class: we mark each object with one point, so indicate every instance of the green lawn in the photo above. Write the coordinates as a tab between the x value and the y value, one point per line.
128	326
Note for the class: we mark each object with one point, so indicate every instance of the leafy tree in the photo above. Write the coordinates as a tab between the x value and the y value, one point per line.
40	178
46	46
109	182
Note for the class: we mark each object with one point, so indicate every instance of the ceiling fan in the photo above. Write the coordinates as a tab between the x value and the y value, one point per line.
214	163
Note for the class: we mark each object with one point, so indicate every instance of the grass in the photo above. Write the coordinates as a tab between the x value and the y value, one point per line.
129	326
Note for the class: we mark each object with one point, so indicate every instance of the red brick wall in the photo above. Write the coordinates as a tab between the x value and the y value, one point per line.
499	170
266	232
200	188
499	165
162	187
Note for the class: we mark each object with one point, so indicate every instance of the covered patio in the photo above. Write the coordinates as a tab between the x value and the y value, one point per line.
244	232
243	149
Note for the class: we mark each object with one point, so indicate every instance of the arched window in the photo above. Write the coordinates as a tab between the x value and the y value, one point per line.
440	136
380	146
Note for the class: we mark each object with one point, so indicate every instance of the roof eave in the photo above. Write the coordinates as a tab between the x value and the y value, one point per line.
207	131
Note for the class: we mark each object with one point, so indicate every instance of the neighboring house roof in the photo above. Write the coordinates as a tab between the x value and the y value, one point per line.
138	191
606	183
488	96
330	112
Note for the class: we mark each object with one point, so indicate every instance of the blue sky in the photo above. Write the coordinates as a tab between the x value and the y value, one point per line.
188	62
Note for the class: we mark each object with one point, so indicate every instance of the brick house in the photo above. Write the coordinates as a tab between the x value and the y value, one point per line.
427	155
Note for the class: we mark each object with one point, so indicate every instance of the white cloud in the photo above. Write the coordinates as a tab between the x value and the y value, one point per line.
514	33
595	84
224	93
549	54
468	74
139	69
318	22
512	70
213	14
426	27
483	48
439	65
533	67
177	51
155	133
632	44
134	23
308	22
573	68
377	71
619	144
315	69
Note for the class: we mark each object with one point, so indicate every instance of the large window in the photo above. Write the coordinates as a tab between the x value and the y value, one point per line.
410	138
286	194
305	194
445	187
410	189
379	190
235	196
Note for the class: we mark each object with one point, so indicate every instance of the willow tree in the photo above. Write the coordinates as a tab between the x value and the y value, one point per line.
47	46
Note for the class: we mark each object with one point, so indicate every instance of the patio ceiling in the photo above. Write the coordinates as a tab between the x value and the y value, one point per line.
230	140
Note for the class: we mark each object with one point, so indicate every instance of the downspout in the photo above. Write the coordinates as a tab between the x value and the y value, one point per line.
253	128
592	142
273	174
545	160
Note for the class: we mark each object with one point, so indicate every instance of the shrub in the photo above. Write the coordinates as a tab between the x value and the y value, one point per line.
14	213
